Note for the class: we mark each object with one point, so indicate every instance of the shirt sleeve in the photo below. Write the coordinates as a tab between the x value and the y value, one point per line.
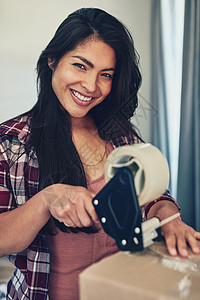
7	201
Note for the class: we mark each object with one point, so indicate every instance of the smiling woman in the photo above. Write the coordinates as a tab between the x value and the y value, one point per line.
52	158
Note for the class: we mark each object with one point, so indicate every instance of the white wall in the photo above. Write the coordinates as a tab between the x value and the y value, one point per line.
27	26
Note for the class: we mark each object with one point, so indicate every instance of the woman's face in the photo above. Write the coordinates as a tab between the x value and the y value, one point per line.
83	77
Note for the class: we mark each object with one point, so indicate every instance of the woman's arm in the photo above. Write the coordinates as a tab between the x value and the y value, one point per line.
69	204
20	226
176	233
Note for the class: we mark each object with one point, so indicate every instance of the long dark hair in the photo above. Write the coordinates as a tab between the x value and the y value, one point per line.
50	123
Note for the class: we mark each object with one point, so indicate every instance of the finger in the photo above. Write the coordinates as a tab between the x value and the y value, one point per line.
84	216
93	194
91	211
68	222
67	225
192	241
74	220
71	218
197	235
170	241
182	246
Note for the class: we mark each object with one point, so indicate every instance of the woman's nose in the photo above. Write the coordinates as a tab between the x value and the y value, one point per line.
90	83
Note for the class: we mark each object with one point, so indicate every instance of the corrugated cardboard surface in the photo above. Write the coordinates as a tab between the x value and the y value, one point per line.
148	275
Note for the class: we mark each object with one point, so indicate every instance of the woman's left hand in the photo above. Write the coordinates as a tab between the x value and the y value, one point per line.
178	236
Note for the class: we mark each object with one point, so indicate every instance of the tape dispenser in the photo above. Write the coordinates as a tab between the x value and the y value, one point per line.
135	175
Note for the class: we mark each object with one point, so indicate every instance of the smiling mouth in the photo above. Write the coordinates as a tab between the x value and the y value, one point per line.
81	97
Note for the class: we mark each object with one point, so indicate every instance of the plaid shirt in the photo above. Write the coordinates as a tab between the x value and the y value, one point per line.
19	182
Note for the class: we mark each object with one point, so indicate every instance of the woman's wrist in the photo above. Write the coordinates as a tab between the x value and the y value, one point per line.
162	209
44	203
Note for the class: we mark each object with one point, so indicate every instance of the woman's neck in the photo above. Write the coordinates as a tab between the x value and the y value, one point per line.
91	148
82	124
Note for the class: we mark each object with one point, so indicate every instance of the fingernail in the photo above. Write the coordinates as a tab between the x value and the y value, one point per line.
184	252
173	252
196	249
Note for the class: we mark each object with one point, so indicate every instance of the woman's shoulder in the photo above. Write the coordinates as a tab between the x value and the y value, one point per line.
13	134
16	127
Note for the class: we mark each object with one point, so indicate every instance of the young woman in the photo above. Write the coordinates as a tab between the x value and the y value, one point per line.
52	159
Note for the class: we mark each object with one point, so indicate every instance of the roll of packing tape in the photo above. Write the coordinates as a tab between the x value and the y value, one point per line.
149	167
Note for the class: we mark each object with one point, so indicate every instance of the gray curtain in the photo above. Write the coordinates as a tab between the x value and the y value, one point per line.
188	193
159	125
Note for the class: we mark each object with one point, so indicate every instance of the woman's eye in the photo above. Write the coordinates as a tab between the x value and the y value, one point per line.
80	66
107	75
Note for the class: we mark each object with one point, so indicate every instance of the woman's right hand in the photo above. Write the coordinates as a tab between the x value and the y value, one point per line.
70	204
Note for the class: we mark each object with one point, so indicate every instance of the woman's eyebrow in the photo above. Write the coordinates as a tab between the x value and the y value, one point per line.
90	64
85	61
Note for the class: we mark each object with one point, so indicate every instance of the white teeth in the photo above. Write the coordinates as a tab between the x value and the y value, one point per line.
81	97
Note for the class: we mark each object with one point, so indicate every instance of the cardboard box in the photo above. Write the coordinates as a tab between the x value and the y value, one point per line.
148	275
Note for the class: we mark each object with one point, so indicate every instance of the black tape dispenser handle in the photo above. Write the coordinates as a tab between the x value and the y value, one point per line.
119	212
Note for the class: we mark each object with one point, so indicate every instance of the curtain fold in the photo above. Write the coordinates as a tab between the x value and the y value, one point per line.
159	123
188	193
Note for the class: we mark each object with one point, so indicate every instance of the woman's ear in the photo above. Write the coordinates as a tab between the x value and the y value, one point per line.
51	62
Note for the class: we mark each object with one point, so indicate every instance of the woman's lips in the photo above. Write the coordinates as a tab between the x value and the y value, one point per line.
80	96
80	99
